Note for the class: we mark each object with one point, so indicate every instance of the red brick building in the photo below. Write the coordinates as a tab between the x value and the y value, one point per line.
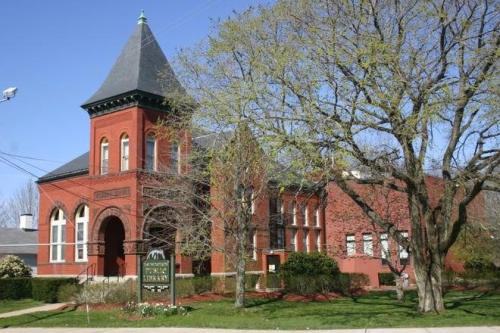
94	214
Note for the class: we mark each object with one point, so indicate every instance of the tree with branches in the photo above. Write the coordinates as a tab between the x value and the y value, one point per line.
393	87
211	207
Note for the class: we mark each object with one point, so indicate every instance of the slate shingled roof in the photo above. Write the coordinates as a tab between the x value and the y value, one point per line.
138	68
14	240
75	167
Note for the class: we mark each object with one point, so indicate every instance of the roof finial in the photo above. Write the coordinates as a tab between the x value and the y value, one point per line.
142	18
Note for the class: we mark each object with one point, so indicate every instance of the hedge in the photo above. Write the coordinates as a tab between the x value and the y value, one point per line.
351	283
386	279
15	288
46	289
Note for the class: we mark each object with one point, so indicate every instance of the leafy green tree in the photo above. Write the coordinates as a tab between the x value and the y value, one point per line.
389	87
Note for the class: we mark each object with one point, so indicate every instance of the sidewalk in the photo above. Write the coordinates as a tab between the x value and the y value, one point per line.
45	307
495	329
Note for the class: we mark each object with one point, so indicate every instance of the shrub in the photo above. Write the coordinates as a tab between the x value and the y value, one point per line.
15	288
386	279
313	264
202	284
13	266
351	283
103	293
309	273
68	292
46	289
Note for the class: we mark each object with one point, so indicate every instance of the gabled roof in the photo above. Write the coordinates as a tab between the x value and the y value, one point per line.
138	68
18	241
75	167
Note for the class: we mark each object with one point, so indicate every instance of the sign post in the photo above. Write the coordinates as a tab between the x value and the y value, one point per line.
172	278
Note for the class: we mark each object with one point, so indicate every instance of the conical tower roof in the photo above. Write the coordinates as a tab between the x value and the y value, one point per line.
141	68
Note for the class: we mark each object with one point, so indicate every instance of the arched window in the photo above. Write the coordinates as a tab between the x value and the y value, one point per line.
104	156
150	161
174	157
124	152
81	231
57	235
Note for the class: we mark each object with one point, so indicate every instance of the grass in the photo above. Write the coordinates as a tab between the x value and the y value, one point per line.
13	305
372	310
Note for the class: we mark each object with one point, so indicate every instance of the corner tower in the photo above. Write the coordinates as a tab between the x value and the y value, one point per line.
125	109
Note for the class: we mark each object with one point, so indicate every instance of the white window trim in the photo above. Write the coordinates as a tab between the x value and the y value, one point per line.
104	170
351	240
384	246
85	221
318	240
254	241
368	244
151	138
294	214
282	213
294	239
317	218
59	244
124	158
306	216
403	254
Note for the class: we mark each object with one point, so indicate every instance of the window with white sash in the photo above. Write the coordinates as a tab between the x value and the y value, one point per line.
57	235
81	231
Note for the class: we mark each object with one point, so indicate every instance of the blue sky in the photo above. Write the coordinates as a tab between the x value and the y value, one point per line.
58	53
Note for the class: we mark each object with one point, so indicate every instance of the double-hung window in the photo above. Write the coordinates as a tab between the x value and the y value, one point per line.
81	225
351	245
57	235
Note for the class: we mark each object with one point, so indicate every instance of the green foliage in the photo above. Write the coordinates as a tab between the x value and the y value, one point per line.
112	293
309	273
314	264
369	310
15	288
68	292
13	266
47	289
351	283
157	309
386	279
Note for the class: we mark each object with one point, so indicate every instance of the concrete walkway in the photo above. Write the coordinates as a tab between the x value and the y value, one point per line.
495	329
45	307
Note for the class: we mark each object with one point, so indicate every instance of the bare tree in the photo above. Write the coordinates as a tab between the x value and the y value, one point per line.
23	201
393	86
215	199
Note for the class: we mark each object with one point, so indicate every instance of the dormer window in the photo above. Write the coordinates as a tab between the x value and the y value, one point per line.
124	153
150	161
104	156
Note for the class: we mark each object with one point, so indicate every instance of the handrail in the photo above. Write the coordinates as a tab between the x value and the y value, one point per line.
89	272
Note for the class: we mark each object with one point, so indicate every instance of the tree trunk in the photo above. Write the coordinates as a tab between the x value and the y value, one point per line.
240	281
430	292
400	294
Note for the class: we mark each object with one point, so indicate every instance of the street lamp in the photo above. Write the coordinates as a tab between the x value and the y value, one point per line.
8	93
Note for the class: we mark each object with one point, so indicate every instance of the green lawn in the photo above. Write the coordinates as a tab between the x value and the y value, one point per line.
13	305
373	310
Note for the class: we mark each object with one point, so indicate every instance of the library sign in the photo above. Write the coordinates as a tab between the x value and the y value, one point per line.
156	271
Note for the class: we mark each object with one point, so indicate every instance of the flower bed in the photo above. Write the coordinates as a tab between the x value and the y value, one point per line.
155	309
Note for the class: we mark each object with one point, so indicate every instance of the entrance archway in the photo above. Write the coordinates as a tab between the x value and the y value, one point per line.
114	254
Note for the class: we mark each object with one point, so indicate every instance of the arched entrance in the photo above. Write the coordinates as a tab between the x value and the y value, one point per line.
114	254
